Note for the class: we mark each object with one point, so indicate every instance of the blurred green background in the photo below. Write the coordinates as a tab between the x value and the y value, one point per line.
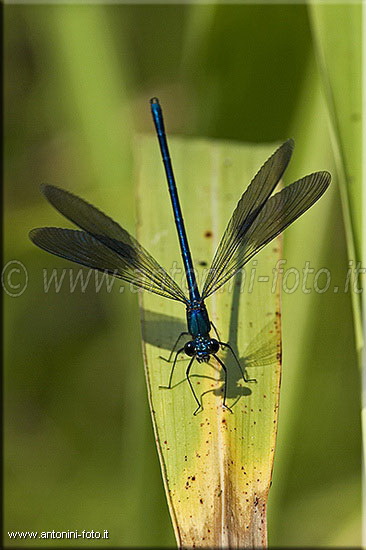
79	446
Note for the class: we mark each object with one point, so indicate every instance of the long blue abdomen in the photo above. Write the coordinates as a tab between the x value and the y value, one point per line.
157	114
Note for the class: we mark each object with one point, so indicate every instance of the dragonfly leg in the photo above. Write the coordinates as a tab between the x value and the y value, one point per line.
226	345
215	330
191	386
169	360
225	383
169	386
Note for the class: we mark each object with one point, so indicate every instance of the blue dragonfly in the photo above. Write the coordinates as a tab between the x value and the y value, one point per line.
259	217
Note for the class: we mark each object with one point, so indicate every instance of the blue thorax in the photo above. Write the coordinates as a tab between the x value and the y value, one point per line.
197	319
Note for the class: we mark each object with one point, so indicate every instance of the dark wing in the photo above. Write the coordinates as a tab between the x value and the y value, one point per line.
102	245
248	208
280	210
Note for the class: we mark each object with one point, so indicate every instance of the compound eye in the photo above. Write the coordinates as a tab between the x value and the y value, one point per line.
190	348
214	346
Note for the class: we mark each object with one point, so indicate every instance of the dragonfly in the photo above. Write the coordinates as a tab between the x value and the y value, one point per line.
102	244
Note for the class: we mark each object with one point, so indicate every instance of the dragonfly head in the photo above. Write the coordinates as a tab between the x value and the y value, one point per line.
202	348
190	348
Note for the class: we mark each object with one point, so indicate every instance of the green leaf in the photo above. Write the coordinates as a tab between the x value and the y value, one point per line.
337	34
216	466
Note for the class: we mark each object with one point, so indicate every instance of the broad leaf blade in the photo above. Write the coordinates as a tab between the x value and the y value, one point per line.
216	465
